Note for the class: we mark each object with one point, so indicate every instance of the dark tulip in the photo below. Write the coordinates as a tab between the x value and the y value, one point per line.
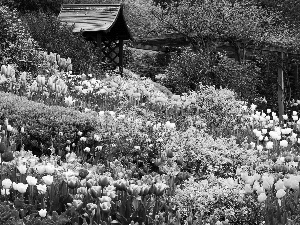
7	156
83	173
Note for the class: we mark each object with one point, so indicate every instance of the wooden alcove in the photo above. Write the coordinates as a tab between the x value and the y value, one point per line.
104	24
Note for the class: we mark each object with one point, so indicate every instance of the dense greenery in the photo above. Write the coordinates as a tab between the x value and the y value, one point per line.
55	36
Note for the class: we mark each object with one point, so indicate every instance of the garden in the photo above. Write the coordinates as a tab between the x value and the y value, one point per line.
202	143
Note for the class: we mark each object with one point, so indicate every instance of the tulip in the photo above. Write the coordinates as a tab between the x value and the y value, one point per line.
72	182
284	143
49	168
77	203
40	168
42	213
279	185
261	197
6	183
31	180
96	191
280	193
105	206
269	145
22	169
22	187
103	181
48	179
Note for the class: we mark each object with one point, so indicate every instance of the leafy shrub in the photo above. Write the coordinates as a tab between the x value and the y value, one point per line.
217	199
186	70
219	109
8	215
23	6
16	42
54	36
203	154
43	123
242	78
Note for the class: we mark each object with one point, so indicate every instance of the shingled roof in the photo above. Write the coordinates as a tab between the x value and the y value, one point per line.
95	17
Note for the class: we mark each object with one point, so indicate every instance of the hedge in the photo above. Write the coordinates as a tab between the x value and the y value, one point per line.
43	123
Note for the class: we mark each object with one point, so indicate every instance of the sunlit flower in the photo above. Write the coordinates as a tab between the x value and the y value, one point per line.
284	143
42	213
49	168
48	179
40	168
6	183
31	180
279	185
280	193
269	145
22	187
22	168
261	197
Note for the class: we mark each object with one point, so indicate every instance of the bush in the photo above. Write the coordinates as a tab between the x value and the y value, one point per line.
203	154
24	6
217	199
242	78
186	70
54	36
16	42
43	123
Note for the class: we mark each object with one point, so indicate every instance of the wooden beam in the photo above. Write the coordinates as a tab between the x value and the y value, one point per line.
280	84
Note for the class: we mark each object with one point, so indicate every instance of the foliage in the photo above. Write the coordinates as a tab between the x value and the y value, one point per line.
8	215
54	36
147	63
25	6
205	22
45	122
186	70
204	155
16	43
244	79
217	199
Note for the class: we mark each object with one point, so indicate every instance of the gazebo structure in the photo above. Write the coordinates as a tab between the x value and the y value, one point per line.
103	24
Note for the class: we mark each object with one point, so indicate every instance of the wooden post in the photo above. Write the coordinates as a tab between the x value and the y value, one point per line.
121	56
280	81
99	43
297	81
